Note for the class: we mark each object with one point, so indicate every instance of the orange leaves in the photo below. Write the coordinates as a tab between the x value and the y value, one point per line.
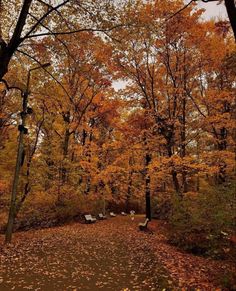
189	164
215	159
4	187
110	254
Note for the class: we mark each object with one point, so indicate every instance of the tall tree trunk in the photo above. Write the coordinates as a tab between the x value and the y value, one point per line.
88	154
147	179
198	156
147	187
129	190
64	172
65	147
183	143
222	146
231	10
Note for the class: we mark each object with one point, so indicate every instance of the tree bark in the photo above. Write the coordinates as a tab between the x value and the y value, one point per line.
64	172
129	191
176	183
183	144
231	10
7	50
174	173
147	188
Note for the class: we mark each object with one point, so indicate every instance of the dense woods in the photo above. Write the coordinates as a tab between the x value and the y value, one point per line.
120	105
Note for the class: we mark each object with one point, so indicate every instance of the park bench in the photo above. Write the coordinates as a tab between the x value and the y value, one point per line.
123	213
101	216
89	218
143	226
112	214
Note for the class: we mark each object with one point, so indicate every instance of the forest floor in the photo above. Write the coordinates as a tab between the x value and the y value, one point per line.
108	255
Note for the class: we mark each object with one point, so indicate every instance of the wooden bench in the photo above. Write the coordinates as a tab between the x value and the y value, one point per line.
101	216
143	226
112	214
123	213
89	218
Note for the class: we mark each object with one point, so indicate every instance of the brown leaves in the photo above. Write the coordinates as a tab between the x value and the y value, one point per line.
108	255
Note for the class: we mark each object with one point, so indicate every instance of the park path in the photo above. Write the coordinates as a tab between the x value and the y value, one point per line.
108	255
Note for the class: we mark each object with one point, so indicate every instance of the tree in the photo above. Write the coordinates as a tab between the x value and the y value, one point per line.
34	16
28	27
163	65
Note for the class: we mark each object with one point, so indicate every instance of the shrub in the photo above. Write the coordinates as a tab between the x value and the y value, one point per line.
203	223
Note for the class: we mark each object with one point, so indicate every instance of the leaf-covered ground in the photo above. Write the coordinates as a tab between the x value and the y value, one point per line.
107	255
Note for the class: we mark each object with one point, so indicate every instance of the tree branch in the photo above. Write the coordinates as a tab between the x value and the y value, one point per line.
73	31
50	31
16	37
43	17
180	10
38	62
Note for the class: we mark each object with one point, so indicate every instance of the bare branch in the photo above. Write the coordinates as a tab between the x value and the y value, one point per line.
10	87
51	32
74	31
180	10
43	17
38	62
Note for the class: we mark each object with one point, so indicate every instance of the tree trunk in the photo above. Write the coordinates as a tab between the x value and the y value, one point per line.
174	174
176	183
198	157
64	173
231	10
147	187
7	50
129	190
129	193
4	59
183	144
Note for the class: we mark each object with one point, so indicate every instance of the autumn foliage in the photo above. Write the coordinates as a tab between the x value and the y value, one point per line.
168	133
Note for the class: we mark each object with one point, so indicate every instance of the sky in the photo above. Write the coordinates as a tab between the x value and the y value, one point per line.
213	10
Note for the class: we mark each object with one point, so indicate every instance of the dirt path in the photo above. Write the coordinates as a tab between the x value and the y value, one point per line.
108	255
